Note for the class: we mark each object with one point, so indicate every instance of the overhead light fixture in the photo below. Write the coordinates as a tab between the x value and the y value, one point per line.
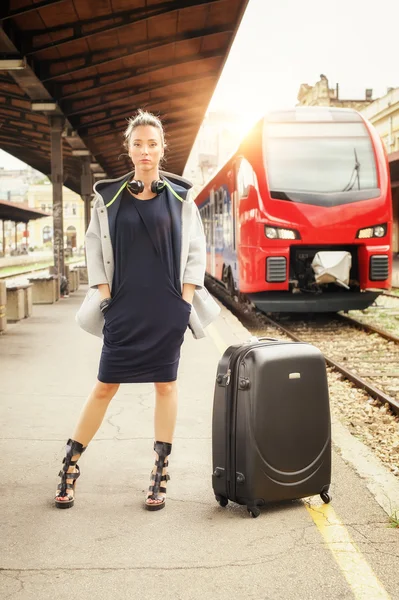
12	64
95	165
99	174
44	106
81	152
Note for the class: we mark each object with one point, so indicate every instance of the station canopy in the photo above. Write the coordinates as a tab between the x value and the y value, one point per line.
19	213
95	62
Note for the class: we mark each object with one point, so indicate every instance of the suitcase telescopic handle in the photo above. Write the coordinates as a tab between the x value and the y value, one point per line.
254	339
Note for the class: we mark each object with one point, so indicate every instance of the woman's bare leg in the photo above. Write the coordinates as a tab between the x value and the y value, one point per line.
165	411
164	418
90	419
93	411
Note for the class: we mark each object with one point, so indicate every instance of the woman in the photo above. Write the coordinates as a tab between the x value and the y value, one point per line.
145	251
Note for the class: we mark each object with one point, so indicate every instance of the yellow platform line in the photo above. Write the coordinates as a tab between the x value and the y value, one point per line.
356	570
216	338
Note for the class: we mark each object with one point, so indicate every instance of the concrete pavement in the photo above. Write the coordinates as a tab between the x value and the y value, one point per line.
108	546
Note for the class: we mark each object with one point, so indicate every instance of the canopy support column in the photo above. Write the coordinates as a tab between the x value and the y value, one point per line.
57	179
86	187
26	236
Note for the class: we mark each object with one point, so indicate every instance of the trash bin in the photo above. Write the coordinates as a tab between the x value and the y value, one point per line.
83	278
71	280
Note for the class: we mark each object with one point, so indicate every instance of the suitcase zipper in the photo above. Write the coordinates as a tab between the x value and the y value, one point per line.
231	426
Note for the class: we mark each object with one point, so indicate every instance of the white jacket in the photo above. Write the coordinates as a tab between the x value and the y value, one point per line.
188	229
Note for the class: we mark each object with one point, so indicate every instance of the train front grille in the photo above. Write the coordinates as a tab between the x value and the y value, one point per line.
379	267
276	269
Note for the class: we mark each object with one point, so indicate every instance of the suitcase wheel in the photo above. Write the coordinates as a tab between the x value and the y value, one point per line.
326	497
253	511
222	500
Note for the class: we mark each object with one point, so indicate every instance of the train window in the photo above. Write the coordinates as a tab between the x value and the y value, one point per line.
226	219
216	201
245	178
220	195
319	158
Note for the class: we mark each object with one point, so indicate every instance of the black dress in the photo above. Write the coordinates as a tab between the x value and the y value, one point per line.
147	317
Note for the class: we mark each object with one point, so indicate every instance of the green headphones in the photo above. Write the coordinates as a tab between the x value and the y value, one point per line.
137	187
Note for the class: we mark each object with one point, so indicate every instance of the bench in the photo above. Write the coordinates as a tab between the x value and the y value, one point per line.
45	289
19	301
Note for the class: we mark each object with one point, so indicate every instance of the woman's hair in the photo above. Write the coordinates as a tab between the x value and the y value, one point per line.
143	118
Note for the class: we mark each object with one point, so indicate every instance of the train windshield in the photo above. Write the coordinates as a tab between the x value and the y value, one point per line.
320	163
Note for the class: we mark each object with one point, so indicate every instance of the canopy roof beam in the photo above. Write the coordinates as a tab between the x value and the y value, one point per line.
111	22
5	13
80	62
110	78
71	108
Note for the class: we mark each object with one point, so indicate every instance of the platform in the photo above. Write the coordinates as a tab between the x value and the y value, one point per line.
108	547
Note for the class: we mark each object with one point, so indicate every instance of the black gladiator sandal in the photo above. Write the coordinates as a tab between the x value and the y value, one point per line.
72	448
163	449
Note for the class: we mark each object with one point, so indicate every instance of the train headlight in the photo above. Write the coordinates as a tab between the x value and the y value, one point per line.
274	233
377	231
287	234
271	233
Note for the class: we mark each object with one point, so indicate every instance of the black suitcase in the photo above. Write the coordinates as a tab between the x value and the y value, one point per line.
271	430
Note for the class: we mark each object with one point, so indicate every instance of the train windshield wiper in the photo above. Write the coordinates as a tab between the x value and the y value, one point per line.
355	175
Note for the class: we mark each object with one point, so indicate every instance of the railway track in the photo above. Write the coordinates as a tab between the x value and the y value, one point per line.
363	354
356	350
24	273
34	271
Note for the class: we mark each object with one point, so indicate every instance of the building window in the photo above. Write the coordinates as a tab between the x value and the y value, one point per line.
71	236
74	209
47	234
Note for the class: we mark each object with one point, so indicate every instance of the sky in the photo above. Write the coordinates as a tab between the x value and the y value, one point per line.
284	43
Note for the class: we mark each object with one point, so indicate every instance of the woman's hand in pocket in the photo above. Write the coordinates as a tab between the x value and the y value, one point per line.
104	305
188	293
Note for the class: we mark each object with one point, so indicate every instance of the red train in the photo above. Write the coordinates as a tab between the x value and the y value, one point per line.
300	217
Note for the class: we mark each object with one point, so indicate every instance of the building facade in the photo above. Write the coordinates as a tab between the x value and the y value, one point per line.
14	183
384	115
321	94
41	231
217	139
